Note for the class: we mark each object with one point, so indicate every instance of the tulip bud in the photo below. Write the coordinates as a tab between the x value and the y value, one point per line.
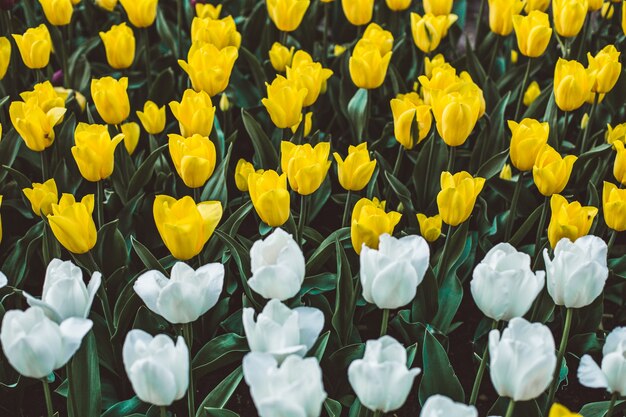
306	167
604	69
287	14
42	197
429	30
131	132
382	380
506	173
152	117
356	170
94	151
111	99
569	16
108	5
551	172
456	115
619	167
369	222
141	13
527	139
35	46
207	10
514	55
284	102
5	56
533	33
584	122
398	5
194	158
225	103
438	405
208	67
308	124
501	14
269	195
219	32
119	43
617	133
406	111
368	65
157	368
358	12
308	75
195	113
242	171
438	7
569	220
35	126
430	227
457	197
57	12
72	223
610	375
532	92
614	206
281	56
338	50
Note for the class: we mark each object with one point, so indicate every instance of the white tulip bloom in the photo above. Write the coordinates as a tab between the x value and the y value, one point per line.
381	379
281	331
612	373
390	274
294	388
3	280
35	345
185	296
441	406
158	370
277	265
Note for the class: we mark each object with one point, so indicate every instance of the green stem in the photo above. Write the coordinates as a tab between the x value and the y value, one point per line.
44	165
589	122
512	211
104	298
479	19
48	396
614	398
146	57
520	99
510	408
163	411
559	357
283	38
346	209
611	242
384	322
494	54
481	370
100	204
302	219
325	34
451	156
542	222
398	163
442	257
179	20
64	57
188	335
377	413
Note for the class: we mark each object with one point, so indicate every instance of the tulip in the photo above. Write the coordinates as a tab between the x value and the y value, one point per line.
306	167
293	387
219	32
72	223
572	84
208	67
35	345
503	284
611	375
514	55
527	139
141	13
225	104
35	46
368	65
208	10
356	170
157	368
5	56
108	5
111	99
604	69
541	5
282	332
457	197
617	133
358	12
569	16
58	12
42	197
284	102
532	92
456	115
45	96
308	124
280	56
614	206
369	222
398	5
439	61
594	5
438	7
119	44
194	158
195	113
3	278
269	195
429	30
501	14
131	134
382	380
308	75
608	10
533	33
35	126
522	359
551	172
438	406
94	151
569	220
277	265
391	274
338	50
185	226
242	171
287	14
383	39
407	110
619	168
152	117
65	94
506	173
430	227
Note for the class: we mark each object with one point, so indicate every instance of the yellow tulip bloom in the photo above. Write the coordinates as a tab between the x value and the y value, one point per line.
45	96
153	117
551	172
569	16
533	33
356	170
42	196
308	75
617	133
306	166
383	39
5	55
34	125
430	227
619	167
438	7
131	134
369	222
242	172
219	32
614	206
501	14
527	140
541	5
506	173
604	69
572	84
269	195
429	30
458	196
94	151
569	220
194	158
119	44
358	12
456	115
141	13
208	10
58	12
111	99
72	223
557	410
308	124
368	66
408	109
398	5
280	56
532	92
208	67
284	102
287	14
35	46
108	5
195	113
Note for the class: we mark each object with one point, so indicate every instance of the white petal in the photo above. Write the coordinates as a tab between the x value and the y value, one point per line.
311	323
73	330
589	373
148	287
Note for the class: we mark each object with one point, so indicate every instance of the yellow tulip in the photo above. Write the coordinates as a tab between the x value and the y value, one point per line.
107	4
369	222
193	157
506	173
280	56
356	170
287	14
527	139
152	117
131	134
208	10
572	84
456	115
594	5
532	92
306	166
58	12
225	104
383	39
441	78
119	44
141	13
429	30
608	10
438	7
42	196
569	220
308	75
614	206
541	5
617	133
5	55
458	196
430	227
551	172
368	66
284	102
45	96
358	12
242	172
584	122
35	46
619	168
569	16
514	55
308	124
398	5
338	50
34	125
195	113
269	195
501	14
184	226
533	33
604	69
94	151
66	93
208	67
438	61
406	110
72	223
557	410
111	99
219	32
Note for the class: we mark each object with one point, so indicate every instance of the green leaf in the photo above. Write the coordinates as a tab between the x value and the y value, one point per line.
163	29
493	166
439	376
163	87
218	412
111	251
148	259
145	171
403	193
22	180
215	188
324	250
126	408
319	347
220	351
220	395
260	141
332	407
526	227
345	301
599	409
357	111
255	67
84	396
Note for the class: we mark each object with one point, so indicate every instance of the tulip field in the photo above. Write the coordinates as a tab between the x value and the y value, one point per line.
304	208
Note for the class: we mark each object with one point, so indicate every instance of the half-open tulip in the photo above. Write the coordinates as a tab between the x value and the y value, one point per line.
269	195
242	171
152	117
287	14
457	197
527	140
119	44
439	405
219	32
35	126
309	75
5	55
141	13
533	33
208	67
532	92
35	46
131	132
438	7
604	69
94	151
551	172
72	223
429	30
430	227
407	110
614	206
617	133
111	99
356	170
205	10
45	96
501	14
42	197
619	167
57	12
194	158
572	84
306	166
569	220
456	114
280	56
358	12
369	222
195	113
398	5
284	102
612	373
368	65
569	16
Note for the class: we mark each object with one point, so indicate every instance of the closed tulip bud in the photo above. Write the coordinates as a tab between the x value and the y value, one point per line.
604	69
119	44
569	220
225	104
57	12
503	285
456	115
527	139
514	55
195	113
306	167
219	32
612	373
64	293
541	5
35	46
501	14
338	50
296	385
284	102
5	56
280	56
185	295
157	368
211	11
308	124
35	345
506	173
614	206
398	5
277	265
358	12
108	5
429	30
308	75
287	14
406	111
382	380
391	274
617	133
269	195
194	158
356	170
94	151
42	197
619	167
242	171
551	172
584	122
569	16
35	126
369	222
368	65
141	13
457	197
72	223
208	67
532	92
438	405
430	227
131	132
522	359
572	84
533	33
111	99
152	117
438	7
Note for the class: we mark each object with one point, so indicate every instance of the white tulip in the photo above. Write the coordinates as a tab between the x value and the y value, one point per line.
292	389
441	406
277	265
281	331
64	293
3	280
503	285
35	345
576	275
158	370
185	296
390	274
522	360
612	374
381	379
